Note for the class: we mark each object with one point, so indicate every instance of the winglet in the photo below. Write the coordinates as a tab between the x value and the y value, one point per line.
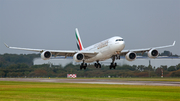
174	43
6	45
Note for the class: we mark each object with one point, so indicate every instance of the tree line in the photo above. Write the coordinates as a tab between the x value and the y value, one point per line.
24	70
13	65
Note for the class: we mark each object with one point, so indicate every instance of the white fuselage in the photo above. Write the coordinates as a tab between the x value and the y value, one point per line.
106	49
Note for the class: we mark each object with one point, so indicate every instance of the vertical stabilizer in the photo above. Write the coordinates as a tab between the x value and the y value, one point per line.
78	39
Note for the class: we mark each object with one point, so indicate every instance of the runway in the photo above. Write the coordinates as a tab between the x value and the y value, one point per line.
95	81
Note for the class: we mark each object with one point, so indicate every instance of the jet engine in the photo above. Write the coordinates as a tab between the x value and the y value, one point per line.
78	57
130	56
153	53
46	55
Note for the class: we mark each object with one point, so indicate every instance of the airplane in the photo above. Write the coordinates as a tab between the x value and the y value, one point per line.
109	48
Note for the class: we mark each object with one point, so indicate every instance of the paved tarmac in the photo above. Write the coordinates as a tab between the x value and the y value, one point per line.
95	81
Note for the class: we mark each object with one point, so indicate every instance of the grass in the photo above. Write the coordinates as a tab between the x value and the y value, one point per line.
37	91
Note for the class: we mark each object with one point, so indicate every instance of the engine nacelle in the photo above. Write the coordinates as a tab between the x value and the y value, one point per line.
153	53
46	55
78	57
130	56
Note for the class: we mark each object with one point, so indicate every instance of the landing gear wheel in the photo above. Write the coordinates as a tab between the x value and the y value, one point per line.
97	65
113	65
83	65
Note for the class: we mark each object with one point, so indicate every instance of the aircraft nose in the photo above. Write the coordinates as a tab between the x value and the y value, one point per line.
122	44
117	46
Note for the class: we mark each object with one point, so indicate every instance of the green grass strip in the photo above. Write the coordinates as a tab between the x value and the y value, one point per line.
37	91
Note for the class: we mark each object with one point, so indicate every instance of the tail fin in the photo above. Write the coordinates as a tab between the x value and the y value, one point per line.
79	43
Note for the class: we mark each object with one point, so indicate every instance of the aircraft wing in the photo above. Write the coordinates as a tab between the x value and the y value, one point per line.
124	52
87	54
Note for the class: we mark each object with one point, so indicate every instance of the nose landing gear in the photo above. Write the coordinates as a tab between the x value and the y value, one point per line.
113	65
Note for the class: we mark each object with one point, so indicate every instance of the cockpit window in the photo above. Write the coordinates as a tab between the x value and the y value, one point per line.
119	39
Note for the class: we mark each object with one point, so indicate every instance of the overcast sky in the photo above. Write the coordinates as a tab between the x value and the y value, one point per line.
50	24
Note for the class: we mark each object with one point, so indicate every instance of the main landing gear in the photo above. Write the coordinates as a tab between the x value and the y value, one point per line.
83	65
113	65
97	65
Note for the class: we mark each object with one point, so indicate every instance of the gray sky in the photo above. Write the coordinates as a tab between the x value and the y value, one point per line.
50	24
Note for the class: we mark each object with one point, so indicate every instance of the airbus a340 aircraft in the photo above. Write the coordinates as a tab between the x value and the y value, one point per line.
109	48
